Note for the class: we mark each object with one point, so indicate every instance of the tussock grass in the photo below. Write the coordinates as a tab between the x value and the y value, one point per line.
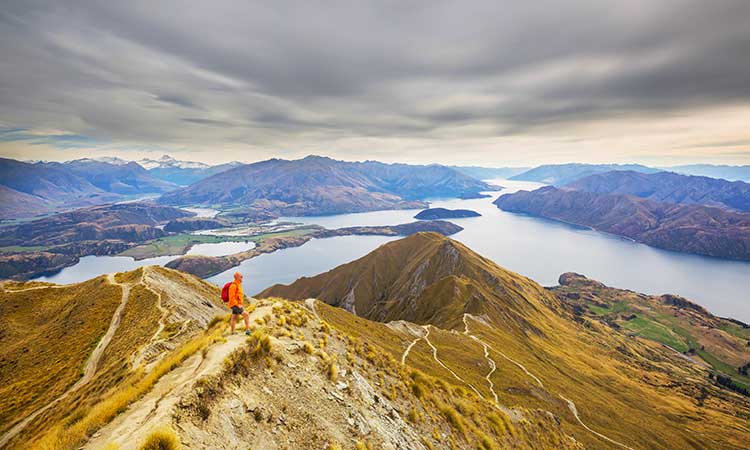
161	439
333	371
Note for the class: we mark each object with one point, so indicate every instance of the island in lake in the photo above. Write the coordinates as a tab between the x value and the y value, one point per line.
444	213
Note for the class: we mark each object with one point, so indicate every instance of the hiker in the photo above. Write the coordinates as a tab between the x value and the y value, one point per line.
235	302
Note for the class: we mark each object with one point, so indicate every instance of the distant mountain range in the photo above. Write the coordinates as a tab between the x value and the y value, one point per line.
488	173
320	185
731	173
669	187
562	174
688	228
39	188
183	173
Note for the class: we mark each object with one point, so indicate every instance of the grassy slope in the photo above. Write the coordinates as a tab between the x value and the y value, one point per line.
721	343
64	351
46	336
618	383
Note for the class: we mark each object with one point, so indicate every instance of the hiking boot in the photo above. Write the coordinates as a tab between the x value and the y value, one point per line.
247	332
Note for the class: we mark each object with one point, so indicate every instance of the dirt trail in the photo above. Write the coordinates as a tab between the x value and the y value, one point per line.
310	303
129	429
571	405
426	338
574	410
138	357
408	349
89	369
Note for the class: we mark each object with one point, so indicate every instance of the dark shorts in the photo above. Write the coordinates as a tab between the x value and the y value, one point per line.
237	310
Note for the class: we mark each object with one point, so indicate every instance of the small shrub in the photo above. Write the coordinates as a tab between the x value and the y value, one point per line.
333	372
161	439
309	349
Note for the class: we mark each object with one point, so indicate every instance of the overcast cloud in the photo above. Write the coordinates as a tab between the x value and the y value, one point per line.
487	82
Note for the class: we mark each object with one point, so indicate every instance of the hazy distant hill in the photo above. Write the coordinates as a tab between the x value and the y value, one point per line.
731	173
669	187
39	188
43	187
318	185
127	179
488	173
562	174
180	172
690	228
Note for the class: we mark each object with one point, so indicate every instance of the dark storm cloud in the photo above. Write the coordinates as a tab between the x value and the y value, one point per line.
129	70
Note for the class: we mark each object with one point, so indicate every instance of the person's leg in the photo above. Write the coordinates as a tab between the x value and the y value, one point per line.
231	323
246	316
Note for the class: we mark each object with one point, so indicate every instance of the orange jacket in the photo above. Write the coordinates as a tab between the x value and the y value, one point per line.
235	294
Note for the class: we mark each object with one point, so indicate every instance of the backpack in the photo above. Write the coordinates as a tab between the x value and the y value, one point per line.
225	292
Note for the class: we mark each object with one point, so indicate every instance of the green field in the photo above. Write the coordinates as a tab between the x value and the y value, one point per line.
655	331
174	245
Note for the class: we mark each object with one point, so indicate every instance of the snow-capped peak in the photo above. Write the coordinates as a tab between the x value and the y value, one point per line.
167	161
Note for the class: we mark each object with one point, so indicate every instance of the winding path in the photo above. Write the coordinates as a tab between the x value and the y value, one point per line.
571	405
89	369
408	349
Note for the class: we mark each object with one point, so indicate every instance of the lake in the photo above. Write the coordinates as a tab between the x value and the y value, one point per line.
537	248
93	266
543	249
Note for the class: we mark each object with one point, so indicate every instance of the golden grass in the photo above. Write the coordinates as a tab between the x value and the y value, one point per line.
46	337
162	439
61	437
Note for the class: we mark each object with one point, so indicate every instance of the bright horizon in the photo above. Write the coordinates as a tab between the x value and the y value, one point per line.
456	83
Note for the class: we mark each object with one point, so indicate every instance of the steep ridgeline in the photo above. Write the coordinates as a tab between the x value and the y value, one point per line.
30	189
162	371
691	228
562	174
424	278
66	349
668	187
505	338
317	185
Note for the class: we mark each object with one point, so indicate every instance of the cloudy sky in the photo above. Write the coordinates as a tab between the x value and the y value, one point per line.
491	82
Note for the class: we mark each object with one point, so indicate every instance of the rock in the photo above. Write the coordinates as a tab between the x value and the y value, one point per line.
234	403
267	391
